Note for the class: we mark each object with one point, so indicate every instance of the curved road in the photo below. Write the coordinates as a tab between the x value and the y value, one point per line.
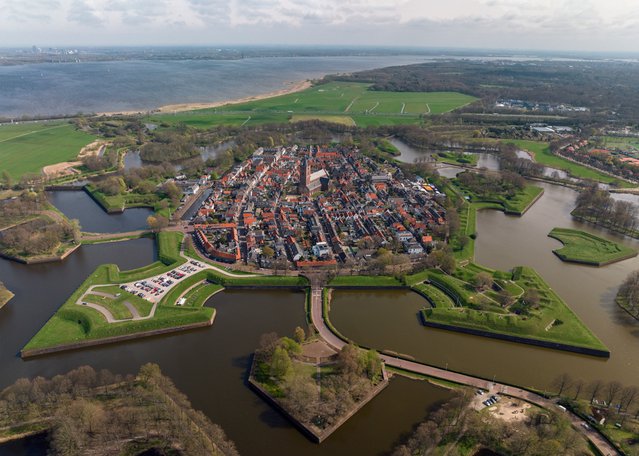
335	342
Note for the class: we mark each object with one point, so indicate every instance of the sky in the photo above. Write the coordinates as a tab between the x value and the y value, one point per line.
561	25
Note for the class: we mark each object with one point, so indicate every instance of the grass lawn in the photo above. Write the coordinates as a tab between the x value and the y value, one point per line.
338	100
515	205
200	294
553	321
28	147
453	158
542	154
365	281
586	248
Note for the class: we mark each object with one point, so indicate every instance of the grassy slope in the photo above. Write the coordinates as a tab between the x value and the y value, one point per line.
582	247
26	148
568	328
542	154
347	99
74	323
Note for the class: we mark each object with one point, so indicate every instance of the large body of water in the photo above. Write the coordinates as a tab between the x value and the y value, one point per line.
69	88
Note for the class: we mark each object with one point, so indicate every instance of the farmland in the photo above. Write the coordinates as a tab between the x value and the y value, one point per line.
336	101
28	147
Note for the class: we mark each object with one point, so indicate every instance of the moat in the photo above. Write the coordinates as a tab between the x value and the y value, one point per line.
206	362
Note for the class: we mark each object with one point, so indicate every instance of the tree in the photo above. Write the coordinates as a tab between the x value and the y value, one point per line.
300	335
531	298
157	222
280	363
562	383
268	252
373	365
505	298
172	191
594	388
483	281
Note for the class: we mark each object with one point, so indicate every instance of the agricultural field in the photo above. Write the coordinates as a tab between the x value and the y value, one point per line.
586	248
28	147
339	102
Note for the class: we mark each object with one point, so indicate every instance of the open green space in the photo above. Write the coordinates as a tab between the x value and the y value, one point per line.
28	147
334	101
548	319
197	296
141	305
542	154
459	159
627	144
516	204
586	248
117	203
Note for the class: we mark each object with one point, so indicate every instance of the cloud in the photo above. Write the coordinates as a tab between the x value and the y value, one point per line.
81	12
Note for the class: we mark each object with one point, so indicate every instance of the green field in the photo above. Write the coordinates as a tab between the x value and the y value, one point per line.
586	248
343	120
552	321
542	154
335	101
28	147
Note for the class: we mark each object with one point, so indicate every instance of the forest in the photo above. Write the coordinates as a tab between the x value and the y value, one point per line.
100	413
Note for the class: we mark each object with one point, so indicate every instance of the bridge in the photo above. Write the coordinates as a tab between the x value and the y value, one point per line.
317	318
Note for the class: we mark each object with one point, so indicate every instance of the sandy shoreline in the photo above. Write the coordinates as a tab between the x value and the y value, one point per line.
181	107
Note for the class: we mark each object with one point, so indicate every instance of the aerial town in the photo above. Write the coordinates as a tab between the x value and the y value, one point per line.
315	206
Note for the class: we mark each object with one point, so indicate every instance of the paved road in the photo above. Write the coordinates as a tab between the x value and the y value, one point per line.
331	339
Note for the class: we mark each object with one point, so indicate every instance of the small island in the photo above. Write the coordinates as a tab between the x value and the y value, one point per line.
585	248
314	386
5	295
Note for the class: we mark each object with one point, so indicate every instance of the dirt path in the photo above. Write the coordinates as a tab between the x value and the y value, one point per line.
111	236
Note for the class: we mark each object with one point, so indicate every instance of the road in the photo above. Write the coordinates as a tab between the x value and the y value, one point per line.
335	342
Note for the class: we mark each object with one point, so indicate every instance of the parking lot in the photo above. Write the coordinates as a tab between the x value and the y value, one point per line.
155	288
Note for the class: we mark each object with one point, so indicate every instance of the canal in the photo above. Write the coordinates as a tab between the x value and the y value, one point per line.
209	365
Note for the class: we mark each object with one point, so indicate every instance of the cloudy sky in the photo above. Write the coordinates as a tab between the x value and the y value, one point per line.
595	25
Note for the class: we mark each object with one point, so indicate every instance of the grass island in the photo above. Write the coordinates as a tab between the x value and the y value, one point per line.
585	248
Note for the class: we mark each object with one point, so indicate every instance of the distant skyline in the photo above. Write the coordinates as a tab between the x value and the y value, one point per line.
554	25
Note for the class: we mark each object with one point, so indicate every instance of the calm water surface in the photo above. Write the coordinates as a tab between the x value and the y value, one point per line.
209	365
69	88
504	242
79	205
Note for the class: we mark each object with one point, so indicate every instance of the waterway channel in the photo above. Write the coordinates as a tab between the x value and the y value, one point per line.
79	205
209	365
